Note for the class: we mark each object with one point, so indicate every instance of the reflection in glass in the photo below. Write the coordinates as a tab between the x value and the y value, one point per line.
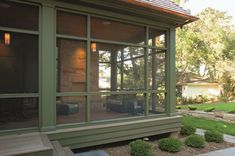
157	103
117	31
115	67
156	74
20	16
71	66
71	109
116	106
19	63
157	38
71	24
18	113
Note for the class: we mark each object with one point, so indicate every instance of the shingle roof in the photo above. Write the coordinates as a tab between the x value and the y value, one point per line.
166	6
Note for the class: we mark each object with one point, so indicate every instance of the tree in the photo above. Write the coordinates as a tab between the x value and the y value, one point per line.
208	42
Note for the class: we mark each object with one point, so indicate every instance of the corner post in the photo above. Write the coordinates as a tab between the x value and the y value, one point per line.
170	73
48	68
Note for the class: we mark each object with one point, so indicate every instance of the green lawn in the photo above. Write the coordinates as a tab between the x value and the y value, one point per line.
203	123
218	106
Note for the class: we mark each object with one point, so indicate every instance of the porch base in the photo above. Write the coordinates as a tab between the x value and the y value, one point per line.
87	136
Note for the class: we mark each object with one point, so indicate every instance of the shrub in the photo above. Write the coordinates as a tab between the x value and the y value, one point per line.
232	112
140	148
213	136
187	130
192	108
178	107
195	141
170	145
210	109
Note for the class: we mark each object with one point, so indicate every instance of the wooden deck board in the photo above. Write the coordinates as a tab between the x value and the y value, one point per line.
24	143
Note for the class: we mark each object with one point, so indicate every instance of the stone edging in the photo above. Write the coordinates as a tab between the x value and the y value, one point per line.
215	115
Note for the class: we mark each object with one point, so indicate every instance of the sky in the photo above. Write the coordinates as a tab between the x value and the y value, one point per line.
196	6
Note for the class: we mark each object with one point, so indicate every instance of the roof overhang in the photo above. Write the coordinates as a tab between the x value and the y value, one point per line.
187	18
139	9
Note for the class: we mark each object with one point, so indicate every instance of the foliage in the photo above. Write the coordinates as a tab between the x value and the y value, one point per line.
210	109
172	145
228	91
214	136
207	124
140	148
192	108
232	112
206	43
187	130
195	141
196	100
178	107
227	107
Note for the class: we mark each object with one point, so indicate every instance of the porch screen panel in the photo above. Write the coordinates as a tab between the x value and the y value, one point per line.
19	65
117	31
117	68
71	109
18	113
156	71
157	38
157	80
71	24
71	65
106	107
20	16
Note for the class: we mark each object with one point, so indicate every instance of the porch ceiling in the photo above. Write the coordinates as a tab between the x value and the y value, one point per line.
162	11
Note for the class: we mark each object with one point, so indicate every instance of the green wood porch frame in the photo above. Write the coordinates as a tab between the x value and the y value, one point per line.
47	63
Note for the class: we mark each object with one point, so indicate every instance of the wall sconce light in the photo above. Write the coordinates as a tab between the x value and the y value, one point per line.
93	47
7	38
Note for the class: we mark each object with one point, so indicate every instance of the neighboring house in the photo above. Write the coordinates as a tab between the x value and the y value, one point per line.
199	88
51	54
192	85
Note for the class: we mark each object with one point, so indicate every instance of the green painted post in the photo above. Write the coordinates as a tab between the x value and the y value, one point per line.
88	72
170	73
48	69
146	95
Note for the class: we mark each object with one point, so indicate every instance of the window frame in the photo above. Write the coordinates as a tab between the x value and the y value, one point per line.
146	91
38	34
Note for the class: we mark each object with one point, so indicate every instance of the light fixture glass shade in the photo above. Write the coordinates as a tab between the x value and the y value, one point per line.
93	47
7	38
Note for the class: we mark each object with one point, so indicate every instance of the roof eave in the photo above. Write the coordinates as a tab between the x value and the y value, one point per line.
188	18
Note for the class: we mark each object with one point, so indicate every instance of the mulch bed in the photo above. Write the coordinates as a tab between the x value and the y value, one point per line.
124	150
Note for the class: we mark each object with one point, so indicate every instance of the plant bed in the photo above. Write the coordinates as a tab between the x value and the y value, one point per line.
123	149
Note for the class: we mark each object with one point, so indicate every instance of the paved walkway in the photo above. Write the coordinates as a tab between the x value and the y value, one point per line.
223	152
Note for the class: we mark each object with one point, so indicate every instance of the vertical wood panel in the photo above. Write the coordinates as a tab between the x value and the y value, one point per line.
170	73
48	69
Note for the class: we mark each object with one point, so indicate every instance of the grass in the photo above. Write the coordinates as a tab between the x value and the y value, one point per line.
207	124
227	107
